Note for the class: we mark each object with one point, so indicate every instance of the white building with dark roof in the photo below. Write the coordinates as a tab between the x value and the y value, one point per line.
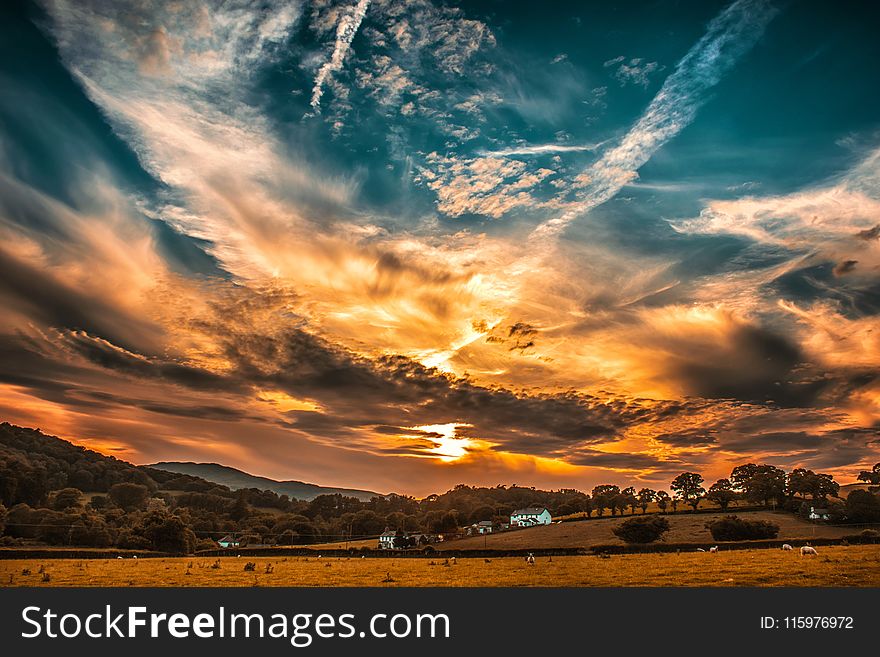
533	515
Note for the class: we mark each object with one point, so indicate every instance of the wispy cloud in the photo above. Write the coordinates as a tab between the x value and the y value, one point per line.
345	30
728	37
636	71
542	149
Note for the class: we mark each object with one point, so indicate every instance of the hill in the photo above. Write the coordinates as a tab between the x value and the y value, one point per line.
685	528
236	479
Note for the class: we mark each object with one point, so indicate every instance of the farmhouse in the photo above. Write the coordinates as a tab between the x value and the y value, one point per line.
482	527
386	539
533	515
818	514
229	541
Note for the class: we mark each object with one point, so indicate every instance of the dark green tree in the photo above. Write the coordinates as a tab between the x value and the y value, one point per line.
129	497
759	483
687	486
605	497
734	528
646	496
643	529
67	498
872	477
662	500
862	507
721	493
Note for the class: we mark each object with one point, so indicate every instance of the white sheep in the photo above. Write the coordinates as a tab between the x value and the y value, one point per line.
786	547
700	550
530	559
453	561
808	550
714	548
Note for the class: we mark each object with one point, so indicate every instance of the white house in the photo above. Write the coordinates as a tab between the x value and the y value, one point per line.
229	541
386	539
482	527
533	515
818	514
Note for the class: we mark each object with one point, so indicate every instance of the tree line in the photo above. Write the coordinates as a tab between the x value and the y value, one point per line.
57	493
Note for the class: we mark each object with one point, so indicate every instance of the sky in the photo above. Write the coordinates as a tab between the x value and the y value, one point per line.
404	245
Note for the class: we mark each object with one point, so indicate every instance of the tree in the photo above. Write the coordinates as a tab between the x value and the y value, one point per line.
646	496
721	493
403	541
872	477
168	533
662	500
687	487
129	496
733	528
759	483
862	507
806	482
630	499
674	502
604	497
644	529
587	505
67	498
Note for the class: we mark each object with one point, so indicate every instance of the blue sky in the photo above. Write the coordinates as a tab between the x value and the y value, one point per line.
559	243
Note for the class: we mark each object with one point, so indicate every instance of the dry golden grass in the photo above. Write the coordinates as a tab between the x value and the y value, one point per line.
685	528
835	566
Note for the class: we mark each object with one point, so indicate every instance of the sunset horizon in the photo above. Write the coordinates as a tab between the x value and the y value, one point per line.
400	247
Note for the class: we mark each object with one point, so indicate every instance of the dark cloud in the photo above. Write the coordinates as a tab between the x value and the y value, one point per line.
869	233
623	461
755	364
694	437
845	267
34	292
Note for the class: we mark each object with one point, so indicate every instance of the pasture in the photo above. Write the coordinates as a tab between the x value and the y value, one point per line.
684	528
834	566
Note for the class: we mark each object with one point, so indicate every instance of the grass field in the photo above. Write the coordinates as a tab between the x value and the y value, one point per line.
835	566
685	528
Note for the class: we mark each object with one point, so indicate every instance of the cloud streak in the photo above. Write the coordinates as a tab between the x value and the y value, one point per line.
345	32
542	149
728	37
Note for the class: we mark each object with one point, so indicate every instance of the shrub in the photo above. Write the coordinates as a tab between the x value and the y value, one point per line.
733	528
643	529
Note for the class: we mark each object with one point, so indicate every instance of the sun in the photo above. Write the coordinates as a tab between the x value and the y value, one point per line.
448	446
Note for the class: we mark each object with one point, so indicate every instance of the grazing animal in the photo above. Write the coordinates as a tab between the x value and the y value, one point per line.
118	557
714	548
786	547
135	557
808	550
700	550
453	561
530	559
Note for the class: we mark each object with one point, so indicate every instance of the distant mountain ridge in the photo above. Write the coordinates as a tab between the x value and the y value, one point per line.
237	479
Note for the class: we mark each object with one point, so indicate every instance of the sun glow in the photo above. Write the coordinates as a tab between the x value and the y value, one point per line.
448	446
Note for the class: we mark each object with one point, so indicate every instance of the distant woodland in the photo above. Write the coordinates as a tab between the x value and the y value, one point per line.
55	493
